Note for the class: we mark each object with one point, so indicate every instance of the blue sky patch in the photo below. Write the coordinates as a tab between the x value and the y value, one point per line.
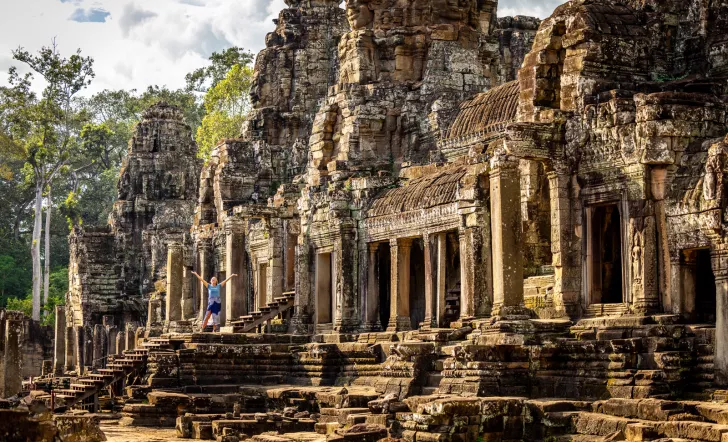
92	15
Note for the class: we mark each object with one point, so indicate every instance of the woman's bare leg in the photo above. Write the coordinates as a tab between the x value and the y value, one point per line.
207	318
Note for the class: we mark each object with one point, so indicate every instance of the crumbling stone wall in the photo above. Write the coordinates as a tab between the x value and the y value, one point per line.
24	345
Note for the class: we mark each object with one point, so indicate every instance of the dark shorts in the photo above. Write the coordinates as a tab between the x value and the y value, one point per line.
214	308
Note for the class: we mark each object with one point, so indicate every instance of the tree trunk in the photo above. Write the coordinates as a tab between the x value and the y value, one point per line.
47	253
35	248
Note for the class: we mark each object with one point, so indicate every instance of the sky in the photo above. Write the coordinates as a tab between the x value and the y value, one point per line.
136	43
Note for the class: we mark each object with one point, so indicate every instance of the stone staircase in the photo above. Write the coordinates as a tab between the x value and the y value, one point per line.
599	310
86	386
251	322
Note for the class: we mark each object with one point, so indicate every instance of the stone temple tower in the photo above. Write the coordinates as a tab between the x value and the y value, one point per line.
113	269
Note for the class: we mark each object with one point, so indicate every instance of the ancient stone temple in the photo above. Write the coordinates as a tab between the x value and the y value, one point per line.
114	268
449	226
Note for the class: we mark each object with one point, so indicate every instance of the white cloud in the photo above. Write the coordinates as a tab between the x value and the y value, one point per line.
145	42
133	16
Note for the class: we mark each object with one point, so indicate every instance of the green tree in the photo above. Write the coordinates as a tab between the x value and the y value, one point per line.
202	79
45	130
226	105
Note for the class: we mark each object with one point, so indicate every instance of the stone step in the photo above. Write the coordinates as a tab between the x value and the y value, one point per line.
429	391
434	379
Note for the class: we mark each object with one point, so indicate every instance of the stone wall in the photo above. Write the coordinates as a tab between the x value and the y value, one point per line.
24	345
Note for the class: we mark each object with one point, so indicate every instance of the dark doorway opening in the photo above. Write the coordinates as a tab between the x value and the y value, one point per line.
705	304
606	247
417	283
384	272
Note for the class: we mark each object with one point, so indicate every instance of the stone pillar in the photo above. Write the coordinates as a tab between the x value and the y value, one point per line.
88	346
441	287
345	288
79	344
505	199
468	255
112	341
13	358
59	344
174	281
371	304
204	268
642	255
188	299
720	357
129	337
98	346
302	319
119	343
658	191
70	349
275	260
235	302
430	243
139	334
399	318
565	247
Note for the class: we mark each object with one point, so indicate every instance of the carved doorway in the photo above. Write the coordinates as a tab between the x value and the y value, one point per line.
604	255
324	288
705	302
263	285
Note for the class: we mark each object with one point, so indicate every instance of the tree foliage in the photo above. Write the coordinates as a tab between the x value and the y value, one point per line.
226	105
204	78
61	152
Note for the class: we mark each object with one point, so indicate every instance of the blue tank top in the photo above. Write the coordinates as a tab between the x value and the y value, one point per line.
213	292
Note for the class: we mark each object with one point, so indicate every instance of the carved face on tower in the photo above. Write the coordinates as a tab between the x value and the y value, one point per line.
358	14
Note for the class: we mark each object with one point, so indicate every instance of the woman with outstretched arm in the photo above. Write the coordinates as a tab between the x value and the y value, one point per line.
213	300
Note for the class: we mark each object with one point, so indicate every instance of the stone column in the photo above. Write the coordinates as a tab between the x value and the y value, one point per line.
59	344
468	255
430	243
13	358
88	345
70	349
687	270
505	199
112	333
235	304
565	247
399	318
130	339
98	346
80	347
188	302
302	320
174	281
720	357
275	260
371	305
119	343
642	257
346	290
204	264
441	288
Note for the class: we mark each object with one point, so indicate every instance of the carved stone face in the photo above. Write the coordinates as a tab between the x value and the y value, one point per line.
358	14
447	9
